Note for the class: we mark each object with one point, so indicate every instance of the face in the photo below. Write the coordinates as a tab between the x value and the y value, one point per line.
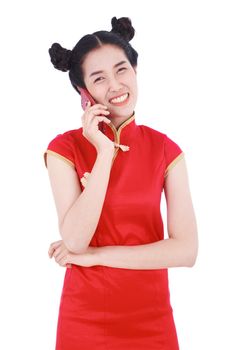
111	80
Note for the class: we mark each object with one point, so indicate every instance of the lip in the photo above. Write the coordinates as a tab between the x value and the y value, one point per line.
118	96
119	104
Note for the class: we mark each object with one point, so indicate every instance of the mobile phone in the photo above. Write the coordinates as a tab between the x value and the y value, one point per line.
85	98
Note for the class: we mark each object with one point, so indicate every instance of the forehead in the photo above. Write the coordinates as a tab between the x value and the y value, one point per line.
103	58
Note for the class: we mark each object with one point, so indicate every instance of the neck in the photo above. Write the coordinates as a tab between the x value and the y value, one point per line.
118	120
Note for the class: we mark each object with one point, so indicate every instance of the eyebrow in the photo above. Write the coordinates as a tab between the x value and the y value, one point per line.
101	71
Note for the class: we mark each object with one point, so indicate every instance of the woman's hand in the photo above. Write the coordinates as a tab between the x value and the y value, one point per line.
90	120
60	253
65	258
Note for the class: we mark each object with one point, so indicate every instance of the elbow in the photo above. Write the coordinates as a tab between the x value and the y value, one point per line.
191	257
73	245
190	262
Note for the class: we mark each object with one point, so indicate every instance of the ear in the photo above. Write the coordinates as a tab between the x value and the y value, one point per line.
135	69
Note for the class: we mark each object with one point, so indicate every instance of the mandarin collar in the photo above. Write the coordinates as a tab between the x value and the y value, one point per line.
123	134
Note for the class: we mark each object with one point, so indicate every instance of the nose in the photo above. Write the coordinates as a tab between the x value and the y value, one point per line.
114	84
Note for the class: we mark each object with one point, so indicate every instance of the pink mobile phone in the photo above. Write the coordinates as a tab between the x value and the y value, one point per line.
85	97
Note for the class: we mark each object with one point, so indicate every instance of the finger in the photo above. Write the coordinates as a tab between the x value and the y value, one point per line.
51	251
98	105
95	106
96	120
97	112
63	261
68	260
102	111
53	246
57	252
62	253
91	114
56	244
60	256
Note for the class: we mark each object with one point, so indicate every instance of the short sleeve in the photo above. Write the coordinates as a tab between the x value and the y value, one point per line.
172	153
61	147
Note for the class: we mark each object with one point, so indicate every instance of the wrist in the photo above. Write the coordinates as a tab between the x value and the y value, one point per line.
93	256
106	152
99	255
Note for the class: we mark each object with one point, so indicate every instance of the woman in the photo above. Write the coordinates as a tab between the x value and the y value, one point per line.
107	179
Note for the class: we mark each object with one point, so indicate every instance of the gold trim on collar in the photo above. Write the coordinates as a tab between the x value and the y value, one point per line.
122	125
117	133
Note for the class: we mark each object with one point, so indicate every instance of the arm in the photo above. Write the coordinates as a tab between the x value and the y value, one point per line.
181	247
78	211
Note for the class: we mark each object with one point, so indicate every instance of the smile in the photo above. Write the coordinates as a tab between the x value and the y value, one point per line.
119	99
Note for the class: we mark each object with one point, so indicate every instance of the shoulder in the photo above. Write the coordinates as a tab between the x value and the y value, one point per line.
157	135
170	151
68	137
152	133
64	146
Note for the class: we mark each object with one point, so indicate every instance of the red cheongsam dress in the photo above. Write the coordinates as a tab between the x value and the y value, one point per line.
108	308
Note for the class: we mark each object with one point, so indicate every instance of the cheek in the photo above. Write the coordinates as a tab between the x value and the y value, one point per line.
133	84
99	94
94	90
132	80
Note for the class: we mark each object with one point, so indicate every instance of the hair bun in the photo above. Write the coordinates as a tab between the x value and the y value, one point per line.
60	57
123	27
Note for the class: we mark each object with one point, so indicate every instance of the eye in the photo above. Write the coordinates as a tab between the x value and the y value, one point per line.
121	69
98	79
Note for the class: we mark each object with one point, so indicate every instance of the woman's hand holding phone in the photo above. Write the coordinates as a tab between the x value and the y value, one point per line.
91	117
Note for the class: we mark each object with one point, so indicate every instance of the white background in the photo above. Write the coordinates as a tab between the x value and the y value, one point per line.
185	79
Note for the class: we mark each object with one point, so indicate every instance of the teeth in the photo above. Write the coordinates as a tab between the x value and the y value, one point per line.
119	99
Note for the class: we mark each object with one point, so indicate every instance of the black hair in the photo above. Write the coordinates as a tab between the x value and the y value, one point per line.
71	60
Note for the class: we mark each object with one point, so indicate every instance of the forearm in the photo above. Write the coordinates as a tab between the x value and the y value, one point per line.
81	220
157	255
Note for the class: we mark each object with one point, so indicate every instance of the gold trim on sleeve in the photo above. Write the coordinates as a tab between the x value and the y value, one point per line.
173	163
59	156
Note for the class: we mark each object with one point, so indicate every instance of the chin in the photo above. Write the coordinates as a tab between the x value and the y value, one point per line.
122	112
120	115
